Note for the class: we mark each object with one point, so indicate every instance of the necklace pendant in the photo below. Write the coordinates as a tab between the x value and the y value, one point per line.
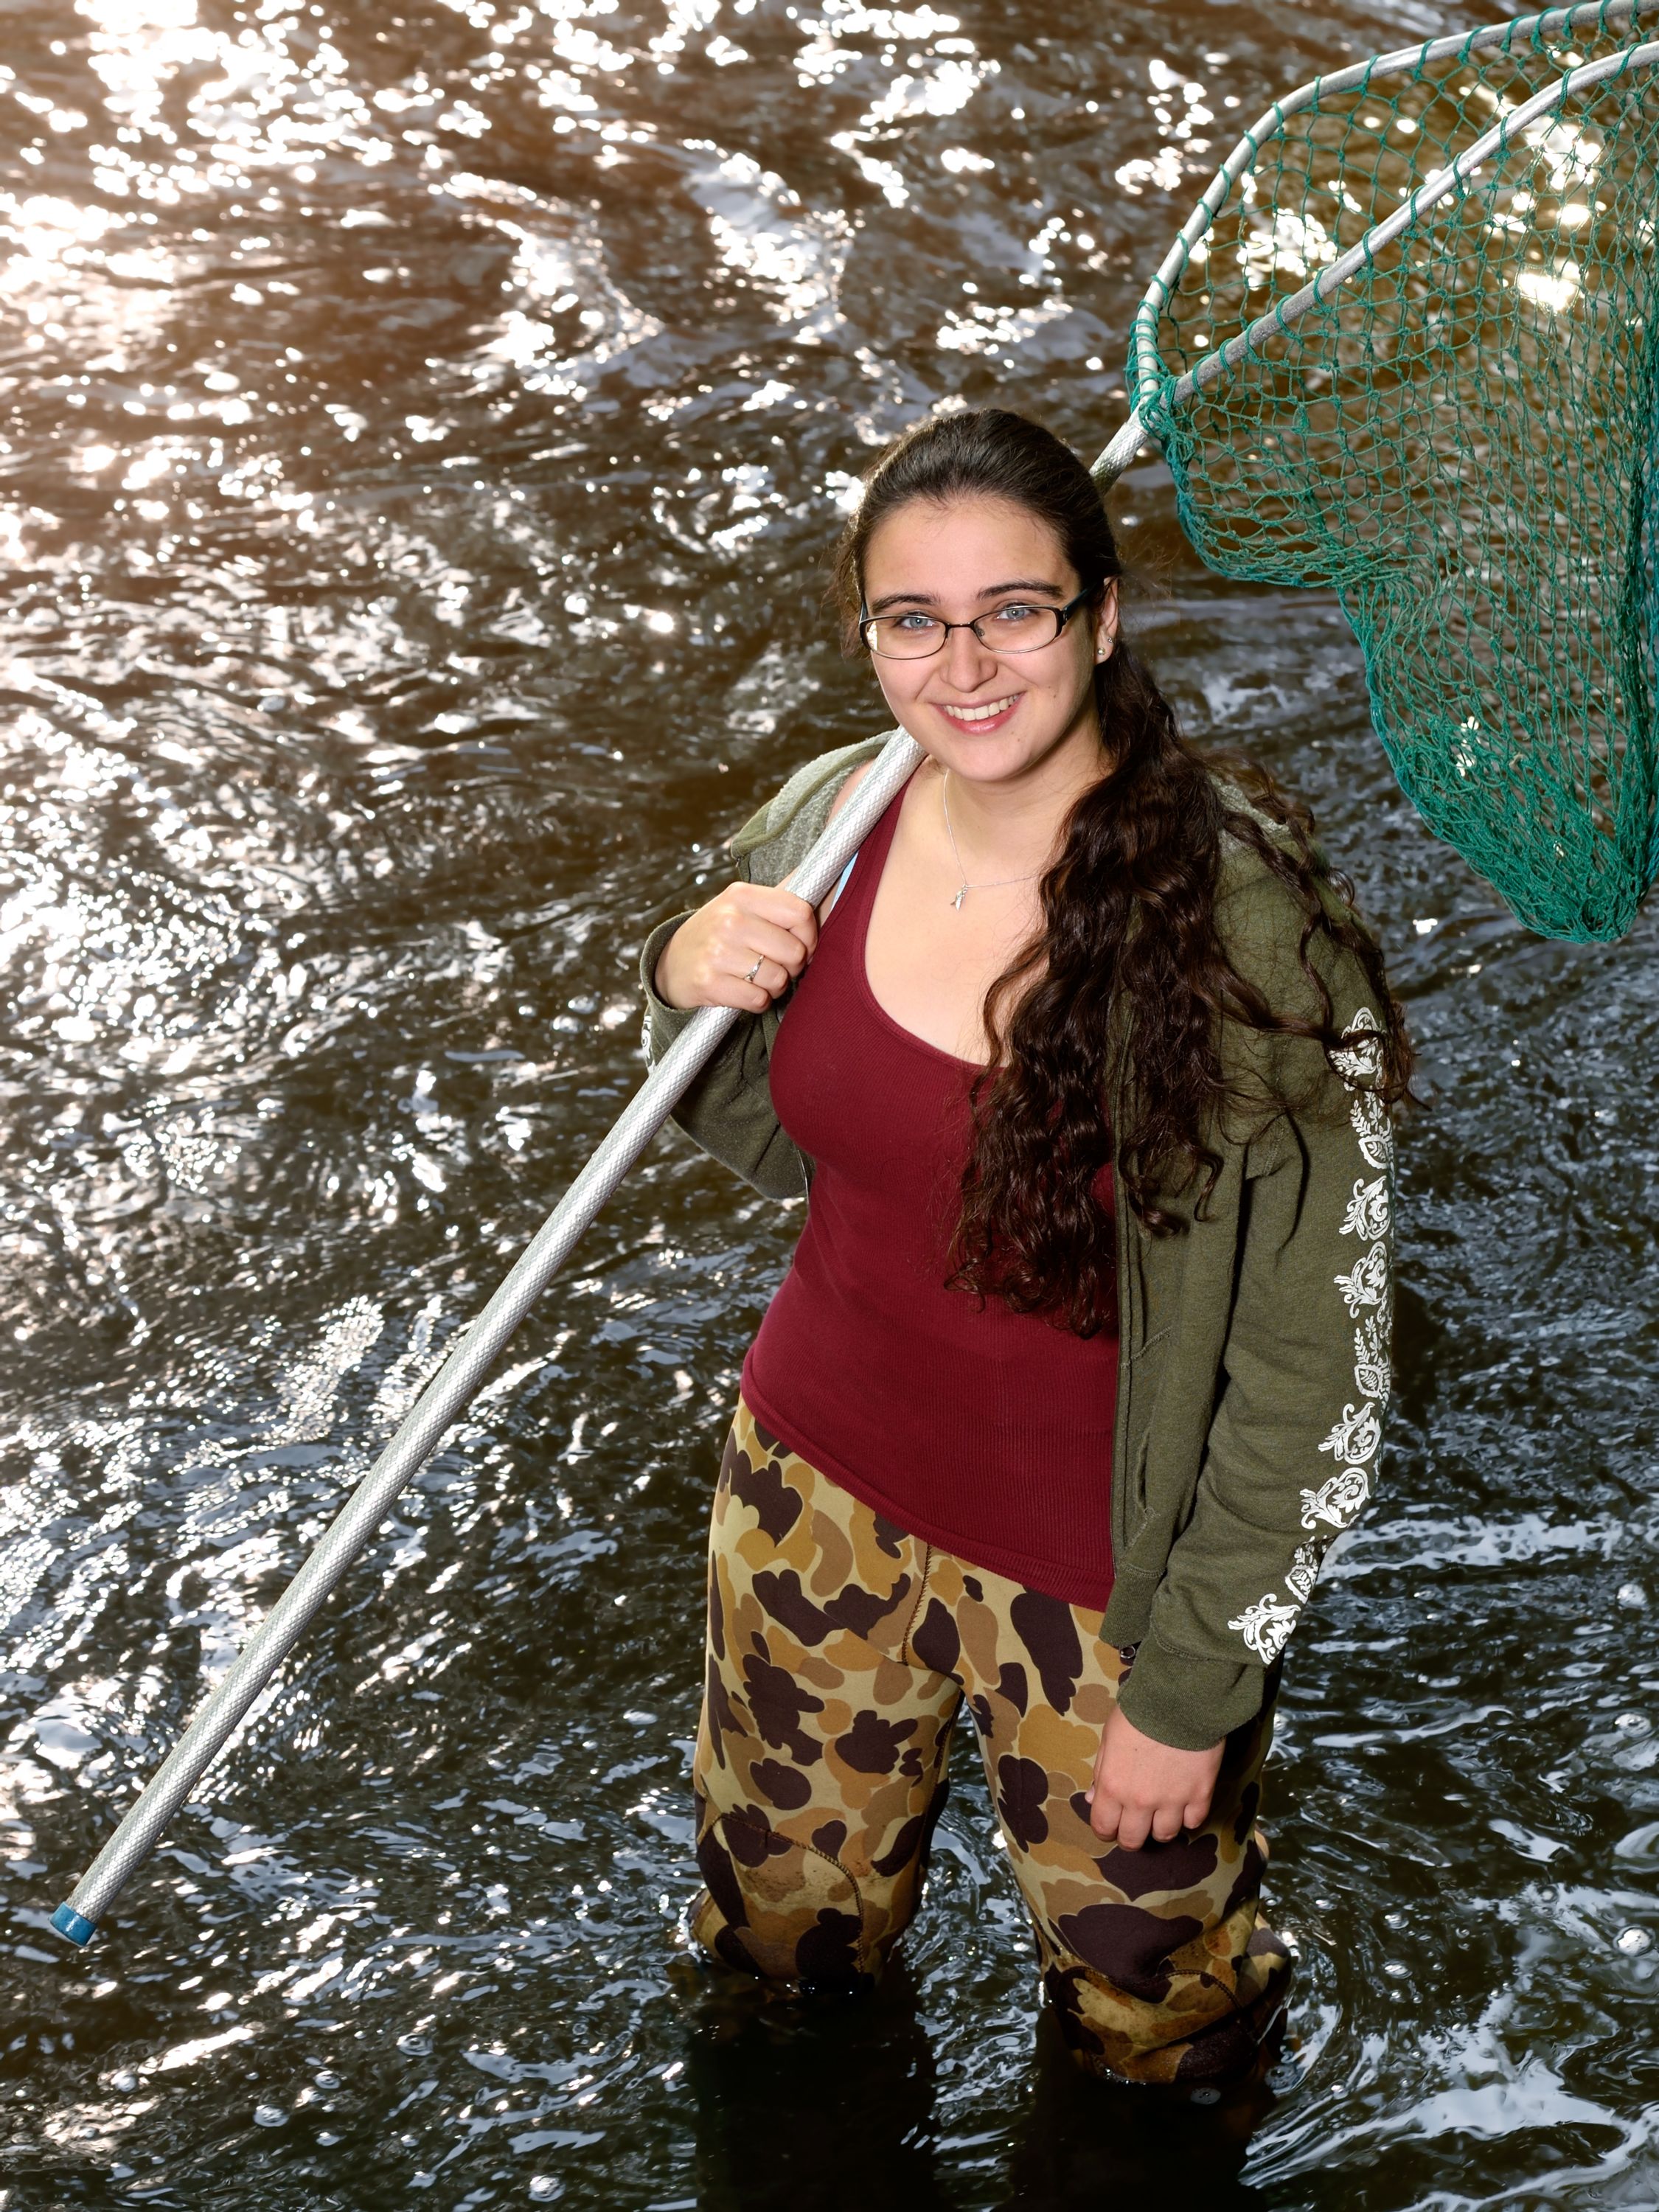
961	895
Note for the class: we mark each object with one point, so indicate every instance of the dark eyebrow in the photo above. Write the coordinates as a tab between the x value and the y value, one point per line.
991	591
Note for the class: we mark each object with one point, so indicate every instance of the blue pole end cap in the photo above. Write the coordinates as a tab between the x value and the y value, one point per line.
73	1925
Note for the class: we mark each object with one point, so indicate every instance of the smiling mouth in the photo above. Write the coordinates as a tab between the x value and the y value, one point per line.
981	714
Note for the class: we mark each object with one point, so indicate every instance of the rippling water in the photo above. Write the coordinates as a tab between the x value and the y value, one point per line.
422	432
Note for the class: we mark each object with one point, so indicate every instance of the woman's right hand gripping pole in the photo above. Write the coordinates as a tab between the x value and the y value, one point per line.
743	949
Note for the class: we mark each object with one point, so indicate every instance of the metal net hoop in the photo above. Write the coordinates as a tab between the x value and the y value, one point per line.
1406	349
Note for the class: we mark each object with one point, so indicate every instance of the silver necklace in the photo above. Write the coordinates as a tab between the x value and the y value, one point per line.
966	886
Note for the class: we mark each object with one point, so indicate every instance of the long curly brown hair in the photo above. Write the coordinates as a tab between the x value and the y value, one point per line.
1129	930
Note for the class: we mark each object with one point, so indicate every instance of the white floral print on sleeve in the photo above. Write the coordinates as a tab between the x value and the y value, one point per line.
1353	1443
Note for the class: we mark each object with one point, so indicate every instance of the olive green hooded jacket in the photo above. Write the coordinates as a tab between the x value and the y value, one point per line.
1252	1370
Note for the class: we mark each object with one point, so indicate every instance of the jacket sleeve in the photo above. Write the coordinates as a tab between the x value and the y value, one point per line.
1290	1456
727	1111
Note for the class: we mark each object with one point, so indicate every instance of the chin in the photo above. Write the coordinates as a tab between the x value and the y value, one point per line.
992	759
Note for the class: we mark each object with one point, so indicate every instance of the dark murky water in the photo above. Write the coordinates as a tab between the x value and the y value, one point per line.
421	432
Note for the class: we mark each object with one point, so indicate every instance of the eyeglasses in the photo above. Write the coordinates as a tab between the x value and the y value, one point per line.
1019	626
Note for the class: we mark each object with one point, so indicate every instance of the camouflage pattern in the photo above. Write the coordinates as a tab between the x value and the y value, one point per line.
840	1652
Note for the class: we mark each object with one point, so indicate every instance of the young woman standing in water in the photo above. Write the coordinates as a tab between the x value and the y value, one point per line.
1086	1070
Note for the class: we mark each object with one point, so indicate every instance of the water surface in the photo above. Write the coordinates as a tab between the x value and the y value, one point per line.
423	432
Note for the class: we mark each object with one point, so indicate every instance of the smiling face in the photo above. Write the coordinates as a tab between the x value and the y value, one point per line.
989	717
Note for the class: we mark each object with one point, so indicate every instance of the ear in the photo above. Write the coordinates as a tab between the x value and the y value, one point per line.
1106	622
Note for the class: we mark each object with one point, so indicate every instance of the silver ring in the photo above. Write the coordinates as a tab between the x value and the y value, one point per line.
750	974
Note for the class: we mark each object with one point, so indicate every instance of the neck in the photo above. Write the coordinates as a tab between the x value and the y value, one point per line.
1011	827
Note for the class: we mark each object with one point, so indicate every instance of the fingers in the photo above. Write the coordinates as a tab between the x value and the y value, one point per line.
754	942
741	949
1126	1811
1133	1828
756	990
1145	1791
1104	1815
764	941
1196	1812
783	911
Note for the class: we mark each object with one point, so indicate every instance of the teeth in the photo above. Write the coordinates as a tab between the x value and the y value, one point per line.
979	714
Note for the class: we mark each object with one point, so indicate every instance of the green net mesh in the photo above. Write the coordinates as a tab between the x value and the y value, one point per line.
1462	440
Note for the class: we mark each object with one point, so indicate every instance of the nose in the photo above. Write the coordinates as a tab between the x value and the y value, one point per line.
966	664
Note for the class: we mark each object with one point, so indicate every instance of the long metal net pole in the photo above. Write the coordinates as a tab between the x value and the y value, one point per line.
446	1397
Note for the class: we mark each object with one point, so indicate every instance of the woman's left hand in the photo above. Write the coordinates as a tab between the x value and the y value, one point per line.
1143	1788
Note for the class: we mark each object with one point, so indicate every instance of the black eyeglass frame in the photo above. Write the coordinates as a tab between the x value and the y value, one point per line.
1062	616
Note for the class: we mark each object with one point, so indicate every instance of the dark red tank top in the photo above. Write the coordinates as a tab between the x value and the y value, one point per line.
984	1431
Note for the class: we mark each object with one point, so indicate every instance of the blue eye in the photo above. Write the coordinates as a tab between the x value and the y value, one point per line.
1017	611
915	623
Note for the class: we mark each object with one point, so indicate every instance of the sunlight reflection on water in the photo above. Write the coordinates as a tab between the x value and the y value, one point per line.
424	434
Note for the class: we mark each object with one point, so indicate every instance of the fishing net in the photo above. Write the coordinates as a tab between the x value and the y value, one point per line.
1460	437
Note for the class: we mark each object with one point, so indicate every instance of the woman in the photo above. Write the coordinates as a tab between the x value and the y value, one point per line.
1080	1365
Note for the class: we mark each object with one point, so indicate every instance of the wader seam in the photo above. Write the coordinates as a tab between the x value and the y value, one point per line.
910	1658
842	1868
